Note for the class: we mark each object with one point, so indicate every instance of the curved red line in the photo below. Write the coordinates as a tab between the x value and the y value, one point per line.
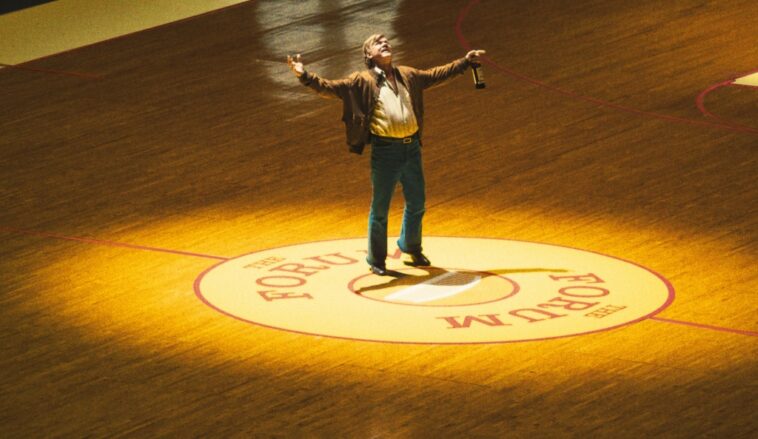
669	301
599	102
700	99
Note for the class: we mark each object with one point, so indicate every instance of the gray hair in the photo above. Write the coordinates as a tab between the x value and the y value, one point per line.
367	49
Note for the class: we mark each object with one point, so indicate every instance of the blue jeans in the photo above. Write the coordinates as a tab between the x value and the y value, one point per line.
393	162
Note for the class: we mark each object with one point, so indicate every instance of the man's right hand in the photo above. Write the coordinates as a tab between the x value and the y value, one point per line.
296	65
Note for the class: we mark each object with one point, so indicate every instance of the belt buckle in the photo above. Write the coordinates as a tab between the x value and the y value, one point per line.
407	140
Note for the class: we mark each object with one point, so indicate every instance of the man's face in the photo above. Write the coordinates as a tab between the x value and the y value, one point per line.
381	51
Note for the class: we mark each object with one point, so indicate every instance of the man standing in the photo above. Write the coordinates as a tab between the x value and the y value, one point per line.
384	106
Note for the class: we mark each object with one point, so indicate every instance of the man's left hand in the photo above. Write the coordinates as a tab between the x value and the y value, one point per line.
474	55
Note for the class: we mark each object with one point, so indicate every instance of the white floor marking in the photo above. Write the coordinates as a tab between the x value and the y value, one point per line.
751	79
428	291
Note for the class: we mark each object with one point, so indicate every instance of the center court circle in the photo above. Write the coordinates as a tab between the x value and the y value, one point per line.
498	291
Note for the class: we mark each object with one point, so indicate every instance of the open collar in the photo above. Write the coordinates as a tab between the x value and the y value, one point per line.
380	76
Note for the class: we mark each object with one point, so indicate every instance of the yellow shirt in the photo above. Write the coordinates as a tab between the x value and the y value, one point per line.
393	115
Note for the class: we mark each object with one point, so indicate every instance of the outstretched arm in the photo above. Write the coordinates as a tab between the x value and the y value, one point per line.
435	75
324	87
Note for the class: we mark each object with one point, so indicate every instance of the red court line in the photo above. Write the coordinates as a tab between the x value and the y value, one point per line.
729	126
700	325
700	99
54	72
222	258
109	243
599	102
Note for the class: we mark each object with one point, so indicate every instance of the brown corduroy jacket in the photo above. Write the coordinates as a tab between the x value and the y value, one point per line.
360	90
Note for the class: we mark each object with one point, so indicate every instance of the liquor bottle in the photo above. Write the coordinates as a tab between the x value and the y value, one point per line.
478	73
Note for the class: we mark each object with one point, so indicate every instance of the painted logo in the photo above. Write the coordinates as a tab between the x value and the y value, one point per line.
478	291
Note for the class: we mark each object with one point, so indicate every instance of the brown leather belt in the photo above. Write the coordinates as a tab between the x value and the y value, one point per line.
405	140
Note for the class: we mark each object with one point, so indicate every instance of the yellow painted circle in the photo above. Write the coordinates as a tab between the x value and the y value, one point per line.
479	290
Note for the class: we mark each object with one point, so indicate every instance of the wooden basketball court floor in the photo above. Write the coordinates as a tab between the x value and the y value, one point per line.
132	165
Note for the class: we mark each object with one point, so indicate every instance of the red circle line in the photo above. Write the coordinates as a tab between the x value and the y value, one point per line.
599	102
700	99
666	304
